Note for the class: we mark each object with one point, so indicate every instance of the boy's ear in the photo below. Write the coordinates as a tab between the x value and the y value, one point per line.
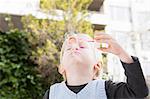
98	66
61	70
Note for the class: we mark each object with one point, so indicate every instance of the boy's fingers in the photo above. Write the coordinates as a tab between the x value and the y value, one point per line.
104	49
103	41
100	33
102	37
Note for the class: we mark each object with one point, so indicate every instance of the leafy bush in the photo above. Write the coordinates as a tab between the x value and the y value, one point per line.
19	78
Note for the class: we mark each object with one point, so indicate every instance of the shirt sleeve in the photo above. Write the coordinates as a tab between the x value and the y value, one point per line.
135	86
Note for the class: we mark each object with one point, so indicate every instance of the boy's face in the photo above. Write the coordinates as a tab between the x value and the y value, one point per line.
78	52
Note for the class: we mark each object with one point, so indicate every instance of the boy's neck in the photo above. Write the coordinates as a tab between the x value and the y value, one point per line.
77	79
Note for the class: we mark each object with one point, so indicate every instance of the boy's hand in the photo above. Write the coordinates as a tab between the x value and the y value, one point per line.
113	47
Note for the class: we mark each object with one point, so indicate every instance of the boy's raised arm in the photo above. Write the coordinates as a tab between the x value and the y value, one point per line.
136	85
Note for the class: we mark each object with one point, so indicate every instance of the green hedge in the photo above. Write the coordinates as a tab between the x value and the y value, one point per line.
19	78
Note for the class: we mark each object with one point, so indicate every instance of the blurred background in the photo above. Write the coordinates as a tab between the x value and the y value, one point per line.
32	32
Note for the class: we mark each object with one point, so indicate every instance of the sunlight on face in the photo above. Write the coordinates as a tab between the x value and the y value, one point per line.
79	48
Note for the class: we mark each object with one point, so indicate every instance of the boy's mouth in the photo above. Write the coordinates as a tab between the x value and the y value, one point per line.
76	52
72	53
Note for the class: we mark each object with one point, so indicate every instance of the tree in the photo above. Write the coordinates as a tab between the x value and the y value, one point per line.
18	76
47	35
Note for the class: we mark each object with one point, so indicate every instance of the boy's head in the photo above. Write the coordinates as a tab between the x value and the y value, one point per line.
78	53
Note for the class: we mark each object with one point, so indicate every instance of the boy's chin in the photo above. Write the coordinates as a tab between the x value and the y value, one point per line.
80	63
75	58
77	62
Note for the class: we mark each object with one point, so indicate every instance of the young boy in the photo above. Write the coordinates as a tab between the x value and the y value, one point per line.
79	66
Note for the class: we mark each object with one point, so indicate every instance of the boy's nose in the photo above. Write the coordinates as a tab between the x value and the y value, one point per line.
74	42
75	47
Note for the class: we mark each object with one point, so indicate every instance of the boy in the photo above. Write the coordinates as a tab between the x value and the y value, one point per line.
79	66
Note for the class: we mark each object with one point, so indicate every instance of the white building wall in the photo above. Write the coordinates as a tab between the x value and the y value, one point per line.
129	24
119	26
19	7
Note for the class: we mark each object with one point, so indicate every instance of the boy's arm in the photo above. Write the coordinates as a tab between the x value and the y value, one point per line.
135	87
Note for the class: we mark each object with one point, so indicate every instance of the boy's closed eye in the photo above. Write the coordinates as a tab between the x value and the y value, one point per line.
71	48
68	48
82	47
